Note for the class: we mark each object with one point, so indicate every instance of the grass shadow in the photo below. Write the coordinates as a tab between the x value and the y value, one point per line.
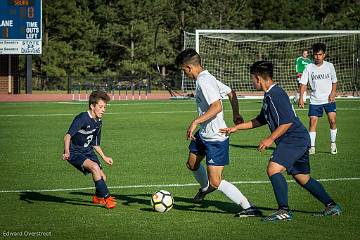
31	197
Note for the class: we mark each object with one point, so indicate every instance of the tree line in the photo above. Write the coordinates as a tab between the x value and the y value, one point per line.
117	37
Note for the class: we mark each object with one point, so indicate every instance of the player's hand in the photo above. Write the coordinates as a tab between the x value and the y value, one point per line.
190	131
66	156
301	103
228	131
332	98
108	160
237	119
265	143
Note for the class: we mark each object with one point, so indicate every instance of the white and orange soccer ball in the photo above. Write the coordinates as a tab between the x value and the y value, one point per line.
162	201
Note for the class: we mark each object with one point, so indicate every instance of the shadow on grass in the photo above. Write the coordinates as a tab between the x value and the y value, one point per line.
180	203
31	197
248	146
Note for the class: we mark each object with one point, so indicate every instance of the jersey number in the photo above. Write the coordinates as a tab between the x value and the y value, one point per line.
89	139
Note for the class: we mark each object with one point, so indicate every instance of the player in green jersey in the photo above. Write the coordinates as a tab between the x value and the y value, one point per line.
300	64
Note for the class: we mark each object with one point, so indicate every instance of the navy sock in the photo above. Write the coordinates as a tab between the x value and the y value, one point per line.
318	191
280	187
101	189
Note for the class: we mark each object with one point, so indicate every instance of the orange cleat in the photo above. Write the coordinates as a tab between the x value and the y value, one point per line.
110	202
98	200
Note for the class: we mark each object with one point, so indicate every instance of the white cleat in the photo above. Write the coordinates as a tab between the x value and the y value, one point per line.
333	148
312	150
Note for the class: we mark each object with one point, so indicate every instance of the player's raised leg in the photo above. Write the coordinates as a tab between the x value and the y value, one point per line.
319	192
102	194
232	192
199	172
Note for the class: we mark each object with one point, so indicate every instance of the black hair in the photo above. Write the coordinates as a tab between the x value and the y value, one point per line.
188	56
317	47
263	68
95	96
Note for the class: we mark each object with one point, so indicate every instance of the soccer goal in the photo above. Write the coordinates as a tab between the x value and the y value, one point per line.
227	54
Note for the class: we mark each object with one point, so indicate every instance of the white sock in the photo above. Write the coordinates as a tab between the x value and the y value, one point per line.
333	133
304	97
297	96
201	177
312	138
234	194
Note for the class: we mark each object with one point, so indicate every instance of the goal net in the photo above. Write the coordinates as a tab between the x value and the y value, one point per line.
228	54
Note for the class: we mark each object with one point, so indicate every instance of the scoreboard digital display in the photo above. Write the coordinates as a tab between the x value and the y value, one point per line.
20	26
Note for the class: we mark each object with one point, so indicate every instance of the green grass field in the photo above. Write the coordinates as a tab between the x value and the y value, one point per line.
41	194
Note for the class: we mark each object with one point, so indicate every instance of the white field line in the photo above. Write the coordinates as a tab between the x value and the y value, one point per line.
166	185
158	112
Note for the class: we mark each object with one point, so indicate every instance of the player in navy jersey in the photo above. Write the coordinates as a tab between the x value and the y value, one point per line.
292	144
80	141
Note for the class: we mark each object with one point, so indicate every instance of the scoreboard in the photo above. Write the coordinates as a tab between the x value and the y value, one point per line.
20	27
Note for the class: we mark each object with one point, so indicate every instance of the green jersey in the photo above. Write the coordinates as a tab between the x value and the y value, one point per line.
301	63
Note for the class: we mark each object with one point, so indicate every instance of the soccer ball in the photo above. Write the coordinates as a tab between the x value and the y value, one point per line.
162	201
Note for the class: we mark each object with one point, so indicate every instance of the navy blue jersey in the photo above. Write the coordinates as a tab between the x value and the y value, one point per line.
85	133
277	110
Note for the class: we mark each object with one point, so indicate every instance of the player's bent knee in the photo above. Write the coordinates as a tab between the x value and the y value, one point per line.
192	167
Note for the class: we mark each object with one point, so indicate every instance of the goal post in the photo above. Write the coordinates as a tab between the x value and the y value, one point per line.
227	54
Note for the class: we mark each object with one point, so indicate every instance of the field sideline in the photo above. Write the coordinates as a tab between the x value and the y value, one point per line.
42	194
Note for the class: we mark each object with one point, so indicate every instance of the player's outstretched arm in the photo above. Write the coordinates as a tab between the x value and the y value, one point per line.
268	141
107	159
237	118
254	123
66	154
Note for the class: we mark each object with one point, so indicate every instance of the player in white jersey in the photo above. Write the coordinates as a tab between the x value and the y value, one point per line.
321	76
208	141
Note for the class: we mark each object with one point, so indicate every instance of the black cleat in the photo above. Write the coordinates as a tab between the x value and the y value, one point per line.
199	197
249	212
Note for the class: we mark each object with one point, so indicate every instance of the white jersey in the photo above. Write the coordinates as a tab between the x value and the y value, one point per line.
320	80
209	90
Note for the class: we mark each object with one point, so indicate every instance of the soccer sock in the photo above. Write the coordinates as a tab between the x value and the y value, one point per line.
333	133
201	177
318	191
297	96
101	188
234	194
312	138
304	96
280	187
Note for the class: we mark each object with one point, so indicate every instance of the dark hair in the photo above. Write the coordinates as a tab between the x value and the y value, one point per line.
188	56
263	68
305	50
317	47
95	96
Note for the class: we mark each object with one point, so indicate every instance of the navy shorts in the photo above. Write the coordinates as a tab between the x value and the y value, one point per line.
216	152
293	156
317	110
78	159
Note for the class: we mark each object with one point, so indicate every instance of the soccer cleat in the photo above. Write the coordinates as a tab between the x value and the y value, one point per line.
312	150
109	202
331	210
279	215
98	200
333	148
199	197
249	212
